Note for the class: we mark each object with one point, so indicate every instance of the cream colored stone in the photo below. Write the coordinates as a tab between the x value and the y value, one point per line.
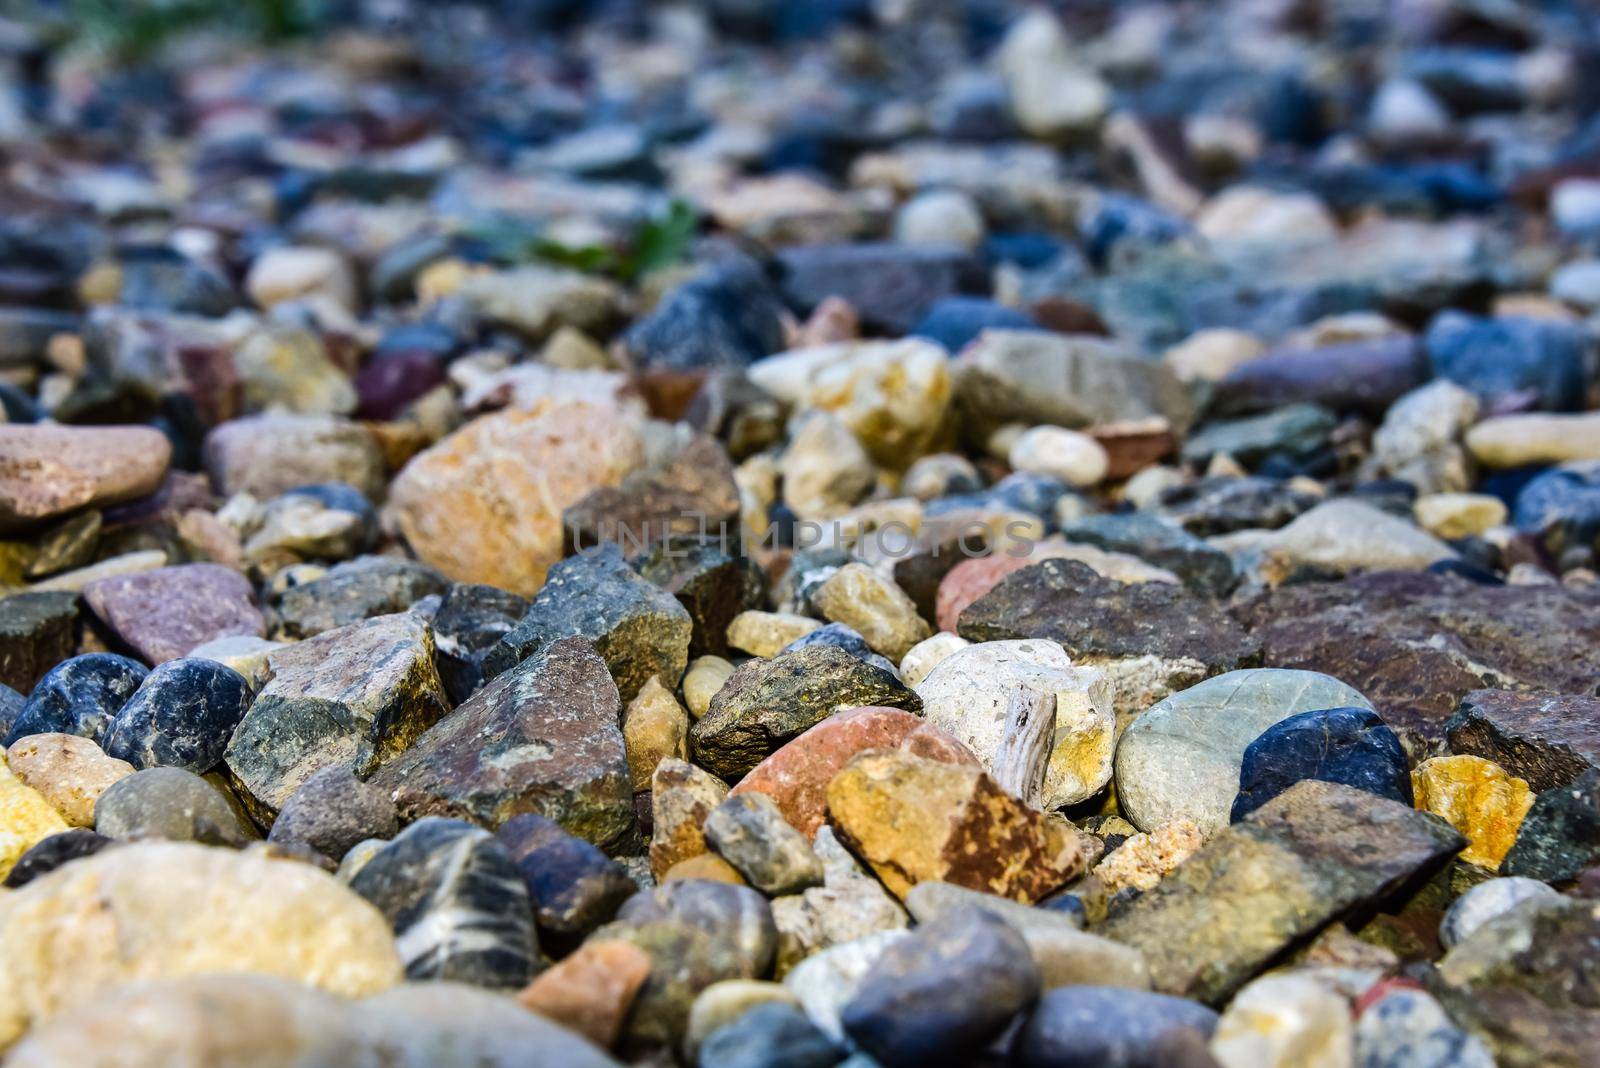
1348	535
292	272
1285	1021
825	469
1146	858
654	727
68	771
722	1003
1459	515
1535	438
1075	458
702	681
1054	93
1208	355
765	633
927	655
873	607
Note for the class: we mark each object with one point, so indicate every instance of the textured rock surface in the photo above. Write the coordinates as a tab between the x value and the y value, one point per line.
750	833
682	796
874	607
352	591
1323	848
573	886
79	696
591	991
37	632
1079	1026
26	818
1352	746
1547	739
49	471
165	613
1477	798
1560	835
544	737
181	716
333	811
68	771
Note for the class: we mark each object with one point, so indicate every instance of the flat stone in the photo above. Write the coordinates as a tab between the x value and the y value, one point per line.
166	910
507	478
1352	746
1560	835
914	820
969	695
573	886
796	776
844	637
750	833
1181	759
69	772
457	903
1323	848
169	803
1296	433
48	854
1106	1027
182	715
591	991
889	285
543	737
26	818
352	591
1534	438
1460	515
37	632
946	990
1547	739
1199	566
267	455
50	470
1347	535
766	703
766	634
1416	643
79	696
640	630
165	613
713	587
358	696
332	812
1222	505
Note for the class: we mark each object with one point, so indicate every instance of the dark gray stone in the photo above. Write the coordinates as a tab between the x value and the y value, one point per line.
470	622
355	590
712	586
1560	835
48	854
169	803
1296	432
574	887
181	716
37	632
79	696
1105	1027
333	811
1202	568
1548	739
1222	505
769	1036
841	637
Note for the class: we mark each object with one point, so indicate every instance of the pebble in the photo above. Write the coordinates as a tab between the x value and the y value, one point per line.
1452	516
573	886
769	1036
1106	1027
1560	835
922	658
1348	535
170	803
269	454
1280	1021
51	471
182	715
705	677
69	772
1419	440
654	727
26	817
1484	902
1535	438
349	592
1407	1028
1144	859
825	468
1477	798
750	833
79	696
1076	459
873	607
1351	746
766	634
332	812
722	1004
48	854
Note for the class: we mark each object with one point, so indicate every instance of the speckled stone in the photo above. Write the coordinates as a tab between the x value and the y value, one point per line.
1548	739
333	811
470	622
181	716
750	833
48	470
79	696
162	614
458	906
37	632
543	737
681	797
351	592
68	771
1560	836
1352	746
712	586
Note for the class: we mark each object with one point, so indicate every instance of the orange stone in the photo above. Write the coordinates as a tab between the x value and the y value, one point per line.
591	991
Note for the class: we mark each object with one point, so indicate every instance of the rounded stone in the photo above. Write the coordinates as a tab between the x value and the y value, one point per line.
1484	902
701	682
69	772
169	803
48	854
333	811
1285	1021
773	1035
181	716
79	696
1105	1027
721	1004
1076	459
1352	746
939	217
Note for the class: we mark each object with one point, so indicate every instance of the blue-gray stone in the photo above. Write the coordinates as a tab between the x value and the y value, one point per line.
1512	362
769	1036
1105	1027
181	716
1351	745
79	696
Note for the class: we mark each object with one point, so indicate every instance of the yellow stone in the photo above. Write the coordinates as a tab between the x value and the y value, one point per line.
164	910
705	866
874	608
702	681
681	797
25	819
1145	859
1459	515
654	727
1477	797
764	633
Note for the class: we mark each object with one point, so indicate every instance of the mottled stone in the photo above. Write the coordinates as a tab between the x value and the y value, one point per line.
1221	505
1146	858
824	468
1547	739
915	820
796	776
1348	535
169	803
947	990
37	632
922	658
79	696
266	455
713	587
48	470
766	703
850	904
458	906
1321	848
1560	836
353	591
1486	901
168	910
68	771
573	886
1405	1028
681	797
826	981
970	694
164	613
1296	433
332	812
1476	797
48	854
639	629
749	832
591	991
1200	566
26	818
766	634
543	737
1285	1021
1352	746
1106	1027
507	478
874	607
694	492
182	716
723	1004
469	623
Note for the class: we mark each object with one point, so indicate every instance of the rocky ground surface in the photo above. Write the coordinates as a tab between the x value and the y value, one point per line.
763	534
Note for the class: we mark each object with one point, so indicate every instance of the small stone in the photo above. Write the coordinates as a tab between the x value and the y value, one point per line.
181	716
352	591
168	611
37	632
874	607
535	300
1323	848
706	866
49	471
1547	739
826	981
939	217
1297	432
766	634
70	544
750	833
1208	355
470	622
842	637
915	820
1420	438
1477	798
267	455
169	803
824	469
694	492
69	772
458	906
947	990
682	796
928	654
766	703
1198	565
1076	459
291	273
591	991
654	727
1510	362
640	630
1486	901
26	818
1560	836
1221	505
705	677
1459	515
290	369
796	776
574	887
722	1004
1347	535
1182	758
1146	858
1406	1028
850	904
713	587
356	696
1106	1027
772	1035
48	854
332	812
79	696
543	737
508	477
1285	1021
1352	746
1054	94
165	910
